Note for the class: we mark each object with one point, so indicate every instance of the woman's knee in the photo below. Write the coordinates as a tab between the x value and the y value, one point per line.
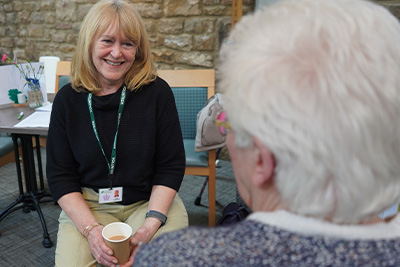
72	248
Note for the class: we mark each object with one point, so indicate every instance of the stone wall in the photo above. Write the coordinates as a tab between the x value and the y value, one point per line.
183	33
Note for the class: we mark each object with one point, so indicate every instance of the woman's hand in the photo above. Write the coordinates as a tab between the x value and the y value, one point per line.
146	232
131	260
102	253
143	235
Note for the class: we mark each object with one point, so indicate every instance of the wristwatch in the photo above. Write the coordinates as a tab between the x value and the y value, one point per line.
157	215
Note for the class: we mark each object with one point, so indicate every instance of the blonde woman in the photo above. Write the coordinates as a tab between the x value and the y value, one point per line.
114	128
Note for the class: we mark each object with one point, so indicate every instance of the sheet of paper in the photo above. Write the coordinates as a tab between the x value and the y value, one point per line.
36	119
47	107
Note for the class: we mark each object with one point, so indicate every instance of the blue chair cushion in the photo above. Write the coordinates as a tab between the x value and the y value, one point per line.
194	159
6	145
63	81
189	101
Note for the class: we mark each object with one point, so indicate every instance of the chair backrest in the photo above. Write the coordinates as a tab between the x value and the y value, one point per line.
191	89
62	74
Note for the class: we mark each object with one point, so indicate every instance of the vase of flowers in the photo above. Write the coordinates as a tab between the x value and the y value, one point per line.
31	76
35	97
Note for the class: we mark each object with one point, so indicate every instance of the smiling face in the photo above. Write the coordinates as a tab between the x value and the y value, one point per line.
113	55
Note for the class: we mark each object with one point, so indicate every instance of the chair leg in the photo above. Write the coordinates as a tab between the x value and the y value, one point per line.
198	198
211	199
211	188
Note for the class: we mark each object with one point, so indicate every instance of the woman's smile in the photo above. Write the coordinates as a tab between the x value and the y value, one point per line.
113	55
113	63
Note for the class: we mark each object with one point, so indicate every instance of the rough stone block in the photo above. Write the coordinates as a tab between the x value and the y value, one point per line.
66	11
204	42
9	19
199	25
23	17
151	26
67	48
2	18
37	17
21	42
31	6
210	2
156	41
7	42
47	5
195	59
8	7
217	11
63	25
163	56
49	18
10	31
82	11
170	26
182	7
35	31
149	10
58	37
18	6
181	42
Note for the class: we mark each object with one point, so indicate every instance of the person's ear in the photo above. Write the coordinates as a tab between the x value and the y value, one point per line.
264	165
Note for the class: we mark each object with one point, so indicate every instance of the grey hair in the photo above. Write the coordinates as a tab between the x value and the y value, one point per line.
318	83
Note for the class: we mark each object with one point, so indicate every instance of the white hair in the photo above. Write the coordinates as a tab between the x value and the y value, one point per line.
318	82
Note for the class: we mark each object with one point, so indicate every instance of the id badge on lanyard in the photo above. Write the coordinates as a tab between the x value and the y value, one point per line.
110	194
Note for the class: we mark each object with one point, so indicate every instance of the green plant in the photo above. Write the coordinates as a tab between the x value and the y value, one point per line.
13	94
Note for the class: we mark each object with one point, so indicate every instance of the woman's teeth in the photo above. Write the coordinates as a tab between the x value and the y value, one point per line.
113	64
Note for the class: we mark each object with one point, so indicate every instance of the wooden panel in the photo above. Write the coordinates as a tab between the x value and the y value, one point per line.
190	78
7	158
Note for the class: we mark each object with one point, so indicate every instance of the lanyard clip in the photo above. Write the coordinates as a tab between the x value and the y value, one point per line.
110	178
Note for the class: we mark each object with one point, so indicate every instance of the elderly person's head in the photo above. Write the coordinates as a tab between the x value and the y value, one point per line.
312	92
105	22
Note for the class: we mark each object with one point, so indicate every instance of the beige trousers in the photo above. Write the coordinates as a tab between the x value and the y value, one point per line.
73	249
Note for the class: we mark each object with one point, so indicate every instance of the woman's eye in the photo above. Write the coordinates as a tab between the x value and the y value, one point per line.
129	44
106	41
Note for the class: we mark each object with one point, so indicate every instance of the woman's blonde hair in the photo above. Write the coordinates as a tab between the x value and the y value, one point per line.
100	17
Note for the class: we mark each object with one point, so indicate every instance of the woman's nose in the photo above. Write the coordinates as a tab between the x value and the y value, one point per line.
116	50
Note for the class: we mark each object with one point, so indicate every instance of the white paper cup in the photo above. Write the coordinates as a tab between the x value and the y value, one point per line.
21	98
120	246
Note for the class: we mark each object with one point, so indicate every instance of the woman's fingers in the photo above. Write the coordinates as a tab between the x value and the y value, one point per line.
100	251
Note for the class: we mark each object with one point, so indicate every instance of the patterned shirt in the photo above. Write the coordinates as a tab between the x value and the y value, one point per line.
254	242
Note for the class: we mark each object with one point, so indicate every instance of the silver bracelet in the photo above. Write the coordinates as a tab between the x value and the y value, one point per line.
89	228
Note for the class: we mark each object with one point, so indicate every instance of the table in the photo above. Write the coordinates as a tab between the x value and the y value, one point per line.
29	198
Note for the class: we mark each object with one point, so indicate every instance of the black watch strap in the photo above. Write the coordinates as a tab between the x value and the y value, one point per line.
157	215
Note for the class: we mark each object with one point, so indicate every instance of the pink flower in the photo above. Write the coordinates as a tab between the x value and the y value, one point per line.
4	57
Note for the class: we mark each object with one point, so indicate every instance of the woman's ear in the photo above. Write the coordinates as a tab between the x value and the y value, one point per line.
264	165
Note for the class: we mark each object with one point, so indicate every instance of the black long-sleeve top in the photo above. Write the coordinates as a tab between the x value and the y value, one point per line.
149	146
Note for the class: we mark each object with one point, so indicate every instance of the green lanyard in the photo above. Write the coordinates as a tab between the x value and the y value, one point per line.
111	166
